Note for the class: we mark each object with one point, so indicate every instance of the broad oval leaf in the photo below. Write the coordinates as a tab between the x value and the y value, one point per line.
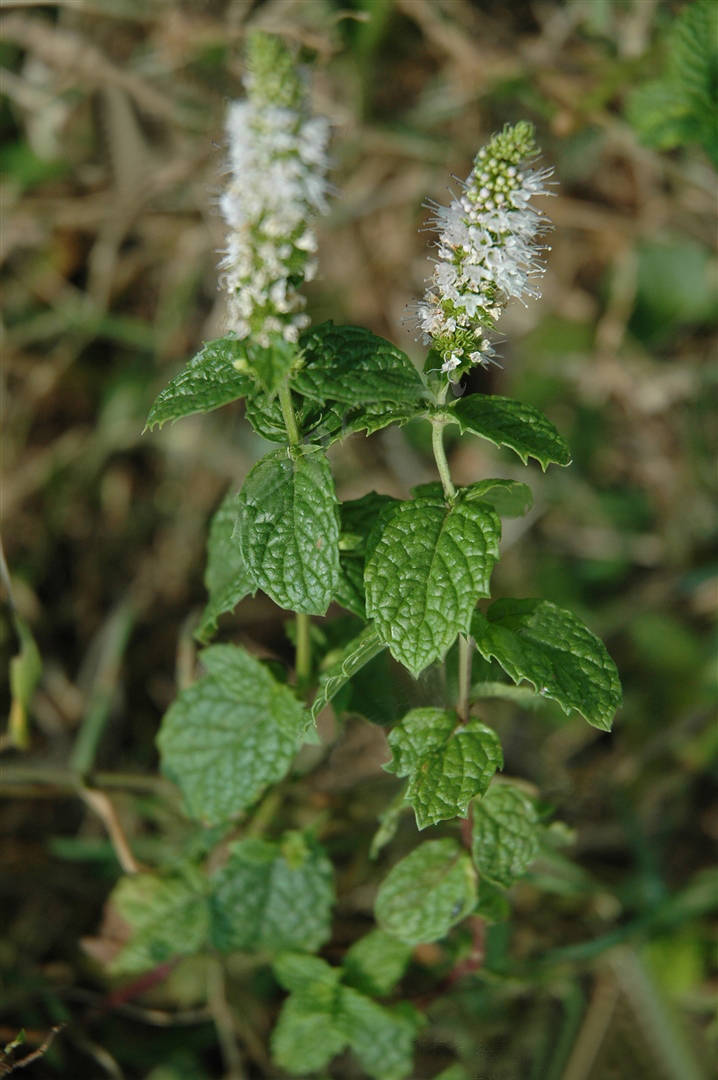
550	648
505	834
360	650
427	892
351	365
429	566
167	916
208	381
376	962
229	735
448	762
506	422
226	575
288	529
272	897
382	1038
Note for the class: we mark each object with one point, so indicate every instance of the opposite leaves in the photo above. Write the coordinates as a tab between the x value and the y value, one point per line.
427	892
506	422
229	735
288	529
428	568
322	1017
549	647
208	381
448	762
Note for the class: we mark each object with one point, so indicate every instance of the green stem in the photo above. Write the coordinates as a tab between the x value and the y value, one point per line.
303	654
290	421
437	444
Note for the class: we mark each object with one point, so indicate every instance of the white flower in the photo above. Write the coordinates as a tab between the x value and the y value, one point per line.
277	183
487	250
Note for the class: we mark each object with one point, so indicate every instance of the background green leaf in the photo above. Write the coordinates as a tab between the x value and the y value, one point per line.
505	834
167	915
426	892
375	963
229	735
272	897
549	647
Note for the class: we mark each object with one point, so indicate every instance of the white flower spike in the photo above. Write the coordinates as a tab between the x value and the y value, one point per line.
487	250
278	164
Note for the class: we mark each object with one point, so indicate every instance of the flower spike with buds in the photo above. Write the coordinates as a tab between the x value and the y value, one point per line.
487	250
278	163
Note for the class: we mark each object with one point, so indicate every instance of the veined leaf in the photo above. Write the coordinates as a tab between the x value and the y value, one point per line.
360	650
168	917
226	576
426	892
209	380
272	897
537	642
509	498
229	735
376	962
288	529
425	574
506	422
351	365
268	365
505	834
359	518
448	762
321	1018
320	422
382	1038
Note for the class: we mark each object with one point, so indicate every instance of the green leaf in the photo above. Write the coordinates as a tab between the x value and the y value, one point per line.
168	917
375	963
381	1038
268	365
505	834
318	421
359	517
351	365
209	380
550	648
226	576
509	498
272	897
229	735
427	892
306	1036
448	762
321	1018
506	422
388	824
288	529
353	657
429	566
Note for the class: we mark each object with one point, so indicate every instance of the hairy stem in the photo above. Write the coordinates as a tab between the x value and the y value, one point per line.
462	703
437	444
290	421
303	654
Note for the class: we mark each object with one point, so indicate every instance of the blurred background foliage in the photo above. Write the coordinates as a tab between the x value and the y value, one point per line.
112	161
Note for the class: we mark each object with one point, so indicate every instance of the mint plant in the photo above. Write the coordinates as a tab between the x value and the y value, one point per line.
414	574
